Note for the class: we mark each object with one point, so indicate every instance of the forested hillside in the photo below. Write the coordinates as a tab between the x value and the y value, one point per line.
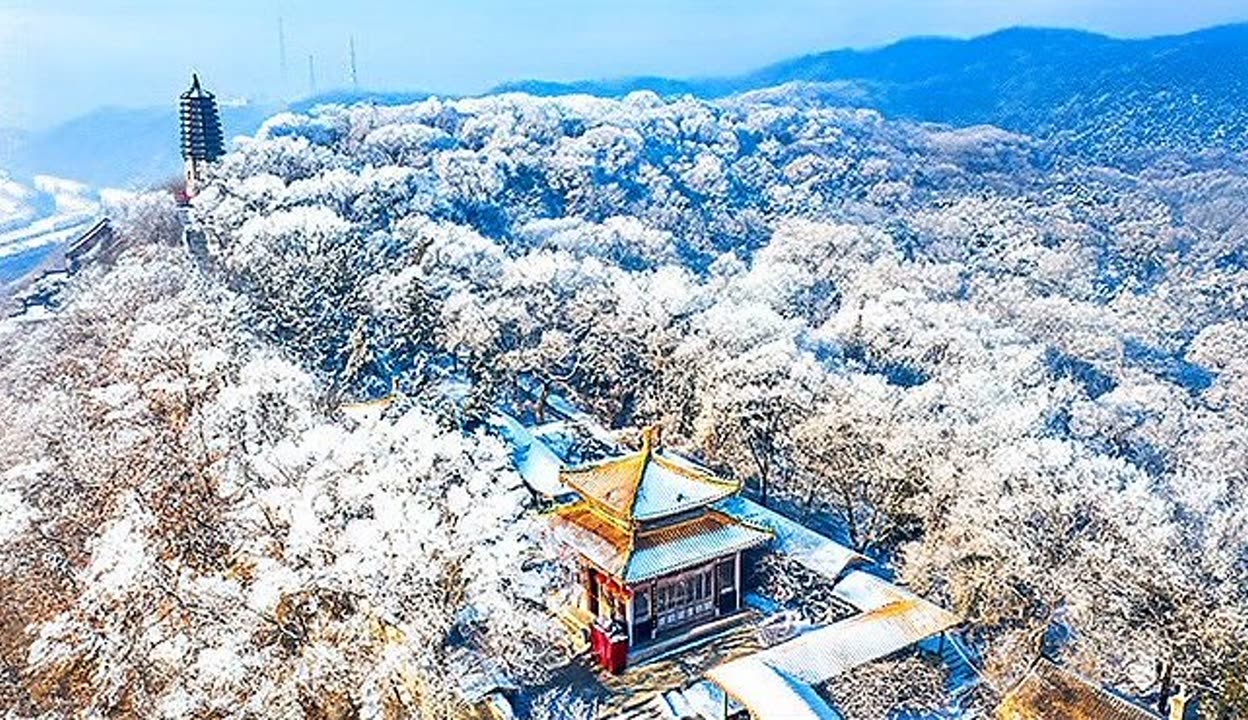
1018	378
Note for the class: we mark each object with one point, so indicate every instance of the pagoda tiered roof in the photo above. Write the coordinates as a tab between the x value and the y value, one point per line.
196	91
200	123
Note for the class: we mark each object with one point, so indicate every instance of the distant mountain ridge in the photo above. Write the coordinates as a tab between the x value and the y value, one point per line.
134	147
118	147
1106	96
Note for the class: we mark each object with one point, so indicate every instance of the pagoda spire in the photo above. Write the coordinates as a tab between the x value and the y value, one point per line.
200	122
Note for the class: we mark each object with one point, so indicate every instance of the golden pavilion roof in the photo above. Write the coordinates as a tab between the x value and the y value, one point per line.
647	485
1050	692
639	555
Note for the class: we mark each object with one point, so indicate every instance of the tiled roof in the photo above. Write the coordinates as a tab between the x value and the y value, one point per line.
770	694
669	486
613	484
822	654
651	553
814	551
647	485
866	592
598	539
688	544
1049	692
196	90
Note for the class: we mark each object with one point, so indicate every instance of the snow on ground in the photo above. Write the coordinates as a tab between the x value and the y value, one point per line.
576	415
816	552
15	513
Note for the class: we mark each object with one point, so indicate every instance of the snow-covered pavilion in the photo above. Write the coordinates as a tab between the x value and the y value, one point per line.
656	559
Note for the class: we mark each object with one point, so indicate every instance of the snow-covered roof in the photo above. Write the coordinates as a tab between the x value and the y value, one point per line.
87	241
1050	692
822	654
648	484
702	699
538	466
596	538
32	314
770	694
647	554
867	592
688	544
814	551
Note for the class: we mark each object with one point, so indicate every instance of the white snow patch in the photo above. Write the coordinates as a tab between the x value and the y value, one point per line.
120	555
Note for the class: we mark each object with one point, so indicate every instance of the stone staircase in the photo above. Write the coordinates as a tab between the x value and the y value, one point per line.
640	692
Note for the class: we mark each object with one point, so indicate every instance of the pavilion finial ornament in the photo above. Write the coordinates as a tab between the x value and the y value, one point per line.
651	438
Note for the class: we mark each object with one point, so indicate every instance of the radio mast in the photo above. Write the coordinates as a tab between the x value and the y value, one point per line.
355	78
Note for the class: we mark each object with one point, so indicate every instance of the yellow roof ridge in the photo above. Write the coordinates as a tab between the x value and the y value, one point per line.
685	522
604	462
569	478
641	458
649	439
718	515
694	473
596	508
614	484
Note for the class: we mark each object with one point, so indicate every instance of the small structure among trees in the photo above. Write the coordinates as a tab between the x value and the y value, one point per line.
655	561
98	241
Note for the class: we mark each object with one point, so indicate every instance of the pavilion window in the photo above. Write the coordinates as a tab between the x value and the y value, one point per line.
685	598
726	573
641	606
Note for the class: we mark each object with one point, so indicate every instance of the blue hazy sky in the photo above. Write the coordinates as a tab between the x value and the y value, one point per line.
59	58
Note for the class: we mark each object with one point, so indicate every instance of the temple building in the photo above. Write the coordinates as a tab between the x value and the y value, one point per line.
201	132
655	559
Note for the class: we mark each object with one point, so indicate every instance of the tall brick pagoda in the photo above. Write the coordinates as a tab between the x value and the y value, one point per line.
201	132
